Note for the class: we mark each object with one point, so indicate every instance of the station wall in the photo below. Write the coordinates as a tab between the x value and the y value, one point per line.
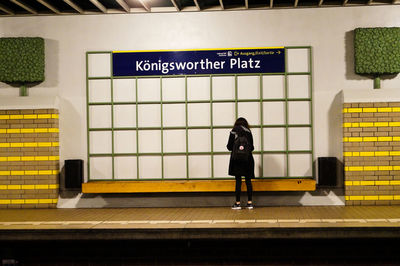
327	30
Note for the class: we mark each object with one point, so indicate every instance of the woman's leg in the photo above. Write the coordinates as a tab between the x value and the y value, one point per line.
249	189
238	188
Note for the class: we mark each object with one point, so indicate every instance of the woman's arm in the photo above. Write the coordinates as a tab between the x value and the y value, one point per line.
251	142
229	146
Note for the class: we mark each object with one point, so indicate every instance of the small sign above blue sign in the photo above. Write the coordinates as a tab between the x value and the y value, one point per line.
195	62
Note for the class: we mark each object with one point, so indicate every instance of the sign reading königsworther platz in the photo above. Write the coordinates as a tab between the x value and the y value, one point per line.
202	61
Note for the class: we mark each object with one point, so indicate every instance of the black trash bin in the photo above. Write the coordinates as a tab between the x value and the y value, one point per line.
330	172
73	174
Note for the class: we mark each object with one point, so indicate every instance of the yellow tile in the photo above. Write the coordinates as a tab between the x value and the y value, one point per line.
55	172
45	200
395	153
369	110
3	187
31	201
5	201
384	109
370	168
356	154
365	153
394	124
354	110
55	144
54	158
30	144
347	197
396	138
396	109
344	110
54	130
395	182
346	124
355	125
42	186
371	198
385	138
356	197
14	186
44	144
17	173
4	172
348	154
17	201
44	116
396	168
41	130
355	139
381	124
356	168
14	159
4	145
381	153
4	117
3	131
348	183
345	139
382	182
385	168
367	183
17	145
366	124
30	116
27	158
45	172
55	116
32	172
16	117
386	197
3	159
28	187
396	197
369	139
27	130
53	186
41	158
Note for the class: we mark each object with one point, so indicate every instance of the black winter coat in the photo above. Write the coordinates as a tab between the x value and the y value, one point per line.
241	169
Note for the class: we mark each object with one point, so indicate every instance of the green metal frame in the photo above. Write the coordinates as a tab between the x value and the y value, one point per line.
162	128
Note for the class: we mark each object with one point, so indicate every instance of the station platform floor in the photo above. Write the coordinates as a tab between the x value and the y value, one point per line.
324	235
201	223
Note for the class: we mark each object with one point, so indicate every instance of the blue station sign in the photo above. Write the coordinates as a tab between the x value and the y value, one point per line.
203	61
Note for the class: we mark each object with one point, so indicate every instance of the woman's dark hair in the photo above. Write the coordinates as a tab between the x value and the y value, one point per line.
242	122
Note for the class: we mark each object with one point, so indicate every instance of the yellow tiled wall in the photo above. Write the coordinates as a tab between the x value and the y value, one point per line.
29	158
371	138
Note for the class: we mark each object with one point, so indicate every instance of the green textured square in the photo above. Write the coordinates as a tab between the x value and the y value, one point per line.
377	50
22	60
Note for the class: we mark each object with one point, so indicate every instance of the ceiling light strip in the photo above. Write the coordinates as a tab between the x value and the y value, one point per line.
74	6
145	5
6	10
177	5
24	6
99	5
49	6
124	5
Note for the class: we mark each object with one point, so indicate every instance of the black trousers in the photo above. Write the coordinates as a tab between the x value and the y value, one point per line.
238	189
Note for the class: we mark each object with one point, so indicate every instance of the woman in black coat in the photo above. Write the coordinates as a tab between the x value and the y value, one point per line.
241	168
